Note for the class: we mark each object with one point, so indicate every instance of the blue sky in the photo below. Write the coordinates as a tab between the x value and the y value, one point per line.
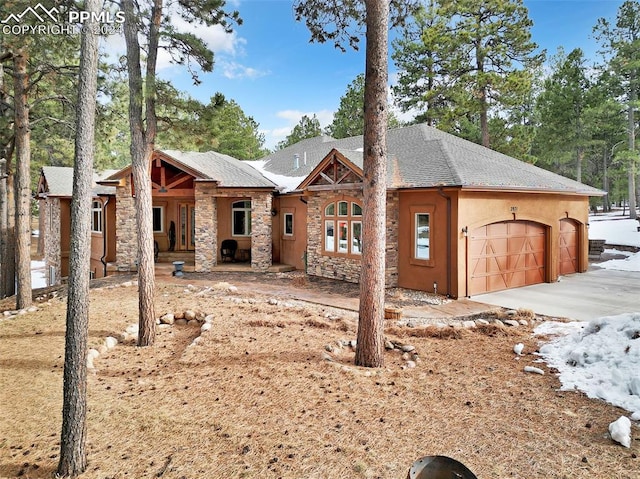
268	66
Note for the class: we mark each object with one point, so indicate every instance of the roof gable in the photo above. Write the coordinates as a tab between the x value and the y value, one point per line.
208	166
337	169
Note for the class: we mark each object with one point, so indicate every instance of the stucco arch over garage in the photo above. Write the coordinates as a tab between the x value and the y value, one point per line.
562	217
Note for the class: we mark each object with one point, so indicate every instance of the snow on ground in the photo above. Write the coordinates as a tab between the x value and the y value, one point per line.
617	230
38	274
602	357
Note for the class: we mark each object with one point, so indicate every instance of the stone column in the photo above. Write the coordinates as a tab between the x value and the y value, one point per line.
261	231
393	220
126	227
206	256
51	209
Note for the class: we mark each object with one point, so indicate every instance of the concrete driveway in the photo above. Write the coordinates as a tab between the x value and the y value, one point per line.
596	293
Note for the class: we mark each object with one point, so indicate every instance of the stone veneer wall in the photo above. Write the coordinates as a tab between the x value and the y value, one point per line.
50	208
261	231
343	267
126	230
206	227
393	225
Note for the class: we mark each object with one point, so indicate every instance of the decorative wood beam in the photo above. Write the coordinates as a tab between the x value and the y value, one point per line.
330	180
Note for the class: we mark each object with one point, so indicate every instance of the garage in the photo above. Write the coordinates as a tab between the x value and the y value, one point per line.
504	255
568	257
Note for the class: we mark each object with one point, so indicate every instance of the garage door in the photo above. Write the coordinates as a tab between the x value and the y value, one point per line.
568	247
506	255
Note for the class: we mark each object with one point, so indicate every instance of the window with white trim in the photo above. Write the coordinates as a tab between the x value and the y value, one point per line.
241	218
288	224
343	227
422	236
96	217
158	219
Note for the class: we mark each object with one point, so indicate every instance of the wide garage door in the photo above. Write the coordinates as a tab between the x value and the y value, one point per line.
506	255
568	256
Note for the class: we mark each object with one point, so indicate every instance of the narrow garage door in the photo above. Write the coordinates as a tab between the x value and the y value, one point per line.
568	256
506	255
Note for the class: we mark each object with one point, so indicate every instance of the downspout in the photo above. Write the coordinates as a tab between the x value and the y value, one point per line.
104	237
448	198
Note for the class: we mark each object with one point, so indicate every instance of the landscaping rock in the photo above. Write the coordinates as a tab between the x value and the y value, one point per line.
168	318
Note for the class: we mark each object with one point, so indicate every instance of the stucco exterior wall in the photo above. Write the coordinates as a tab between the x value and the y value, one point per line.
481	208
425	275
469	210
291	248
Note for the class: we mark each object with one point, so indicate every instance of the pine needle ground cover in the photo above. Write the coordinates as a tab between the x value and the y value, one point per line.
270	390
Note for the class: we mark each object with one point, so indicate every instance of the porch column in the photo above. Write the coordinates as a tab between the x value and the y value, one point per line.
261	231
206	227
126	227
50	208
393	222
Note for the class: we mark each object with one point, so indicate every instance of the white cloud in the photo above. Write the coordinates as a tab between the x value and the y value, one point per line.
234	70
214	36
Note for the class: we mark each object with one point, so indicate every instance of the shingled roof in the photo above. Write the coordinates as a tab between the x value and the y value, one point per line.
59	181
227	171
420	156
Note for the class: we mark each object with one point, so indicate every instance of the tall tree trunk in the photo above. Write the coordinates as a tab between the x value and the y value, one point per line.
632	149
7	267
141	151
370	344
73	456
22	181
7	235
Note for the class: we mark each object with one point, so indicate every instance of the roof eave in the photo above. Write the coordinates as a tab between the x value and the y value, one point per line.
521	189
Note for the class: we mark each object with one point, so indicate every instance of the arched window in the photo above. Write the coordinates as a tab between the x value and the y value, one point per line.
241	218
342	222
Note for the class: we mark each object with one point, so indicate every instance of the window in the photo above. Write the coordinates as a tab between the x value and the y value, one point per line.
288	224
96	217
343	234
329	237
422	236
241	218
356	237
158	219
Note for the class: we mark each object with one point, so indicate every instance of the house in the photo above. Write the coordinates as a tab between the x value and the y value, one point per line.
461	219
199	199
53	193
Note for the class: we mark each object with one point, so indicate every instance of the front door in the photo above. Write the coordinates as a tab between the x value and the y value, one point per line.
187	228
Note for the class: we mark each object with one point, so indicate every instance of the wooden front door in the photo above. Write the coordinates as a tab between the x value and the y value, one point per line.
187	227
506	255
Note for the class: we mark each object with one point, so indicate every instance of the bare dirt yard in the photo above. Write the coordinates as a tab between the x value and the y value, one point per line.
270	390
